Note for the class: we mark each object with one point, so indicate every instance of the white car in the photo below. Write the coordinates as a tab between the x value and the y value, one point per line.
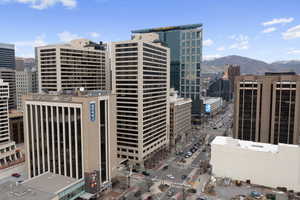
170	176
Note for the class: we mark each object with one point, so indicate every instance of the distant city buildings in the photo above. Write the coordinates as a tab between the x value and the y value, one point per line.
231	71
7	56
260	163
180	119
72	135
140	79
25	63
26	82
220	88
185	43
66	67
8	75
266	108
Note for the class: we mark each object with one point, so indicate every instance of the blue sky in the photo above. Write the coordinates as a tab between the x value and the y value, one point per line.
263	29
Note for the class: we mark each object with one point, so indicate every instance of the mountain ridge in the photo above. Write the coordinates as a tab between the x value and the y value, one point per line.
250	65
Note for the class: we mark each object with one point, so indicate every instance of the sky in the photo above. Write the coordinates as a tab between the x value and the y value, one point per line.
268	30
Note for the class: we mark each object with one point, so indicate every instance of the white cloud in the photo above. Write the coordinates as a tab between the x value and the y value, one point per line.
242	42
269	30
222	48
292	33
211	57
294	52
66	36
43	4
94	34
278	21
26	48
39	41
208	42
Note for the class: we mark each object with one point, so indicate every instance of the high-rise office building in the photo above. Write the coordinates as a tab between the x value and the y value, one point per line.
9	76
7	55
8	154
267	108
140	79
78	64
71	135
185	43
26	82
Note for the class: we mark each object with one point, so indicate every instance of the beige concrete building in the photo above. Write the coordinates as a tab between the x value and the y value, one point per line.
267	108
140	79
71	135
78	64
180	119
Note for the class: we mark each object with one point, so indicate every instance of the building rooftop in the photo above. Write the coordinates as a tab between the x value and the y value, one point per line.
254	146
211	100
66	96
7	46
12	191
50	183
279	73
168	28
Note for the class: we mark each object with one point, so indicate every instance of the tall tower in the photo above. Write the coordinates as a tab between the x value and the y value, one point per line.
185	43
140	79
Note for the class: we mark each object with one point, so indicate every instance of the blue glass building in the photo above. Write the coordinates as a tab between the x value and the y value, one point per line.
185	43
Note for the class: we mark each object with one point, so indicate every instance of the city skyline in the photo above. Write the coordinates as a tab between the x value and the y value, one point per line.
271	33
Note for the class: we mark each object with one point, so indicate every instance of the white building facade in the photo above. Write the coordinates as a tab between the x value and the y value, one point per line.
263	164
9	155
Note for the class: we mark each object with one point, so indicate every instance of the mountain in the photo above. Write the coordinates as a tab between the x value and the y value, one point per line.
248	65
289	65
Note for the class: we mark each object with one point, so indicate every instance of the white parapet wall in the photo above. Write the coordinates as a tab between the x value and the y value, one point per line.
262	164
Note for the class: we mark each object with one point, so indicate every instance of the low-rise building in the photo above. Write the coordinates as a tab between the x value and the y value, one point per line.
78	140
261	163
212	105
180	118
47	186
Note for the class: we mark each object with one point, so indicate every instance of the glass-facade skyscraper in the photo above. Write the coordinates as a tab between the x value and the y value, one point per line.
185	43
7	55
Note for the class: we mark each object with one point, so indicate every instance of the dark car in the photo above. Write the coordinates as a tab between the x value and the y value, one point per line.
16	175
183	177
135	170
146	173
165	167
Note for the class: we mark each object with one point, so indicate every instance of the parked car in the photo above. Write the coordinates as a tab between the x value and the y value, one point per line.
146	173
183	177
16	175
165	167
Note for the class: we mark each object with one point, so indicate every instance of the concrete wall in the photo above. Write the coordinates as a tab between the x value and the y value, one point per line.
273	169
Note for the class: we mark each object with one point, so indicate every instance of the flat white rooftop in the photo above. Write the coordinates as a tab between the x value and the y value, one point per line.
12	191
49	182
254	146
211	100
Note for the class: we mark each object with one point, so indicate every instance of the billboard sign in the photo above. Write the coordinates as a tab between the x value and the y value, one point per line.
207	108
92	111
